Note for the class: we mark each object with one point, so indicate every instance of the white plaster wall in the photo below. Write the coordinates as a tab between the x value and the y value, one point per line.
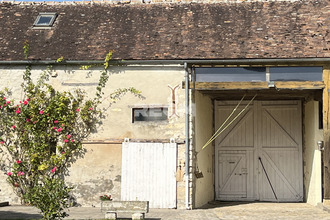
204	191
312	156
99	171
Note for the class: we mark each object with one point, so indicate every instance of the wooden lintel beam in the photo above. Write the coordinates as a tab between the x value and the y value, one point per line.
227	85
299	85
255	85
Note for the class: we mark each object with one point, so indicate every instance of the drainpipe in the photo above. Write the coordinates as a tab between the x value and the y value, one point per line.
187	134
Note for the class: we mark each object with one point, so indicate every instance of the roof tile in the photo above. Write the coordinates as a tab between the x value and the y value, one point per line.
284	29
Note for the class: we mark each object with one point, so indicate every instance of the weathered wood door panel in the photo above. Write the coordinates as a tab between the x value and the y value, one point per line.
149	173
233	171
280	150
270	134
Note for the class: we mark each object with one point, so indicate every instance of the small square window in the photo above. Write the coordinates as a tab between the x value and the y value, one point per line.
150	114
45	20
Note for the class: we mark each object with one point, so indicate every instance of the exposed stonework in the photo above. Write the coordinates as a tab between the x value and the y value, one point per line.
281	29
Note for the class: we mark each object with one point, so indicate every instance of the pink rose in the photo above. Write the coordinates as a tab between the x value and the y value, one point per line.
13	126
72	140
41	112
25	102
90	108
28	120
9	173
77	109
1	142
18	161
63	152
59	130
8	102
54	169
4	98
55	121
27	99
54	128
66	140
18	111
68	136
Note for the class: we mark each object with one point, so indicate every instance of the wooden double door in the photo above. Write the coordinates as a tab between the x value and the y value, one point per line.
259	155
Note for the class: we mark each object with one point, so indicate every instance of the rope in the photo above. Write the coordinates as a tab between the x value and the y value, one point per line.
217	134
210	140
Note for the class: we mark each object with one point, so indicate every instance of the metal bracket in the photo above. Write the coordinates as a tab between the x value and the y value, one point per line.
320	145
271	84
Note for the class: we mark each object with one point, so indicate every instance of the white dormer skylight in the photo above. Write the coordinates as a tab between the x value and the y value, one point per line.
45	19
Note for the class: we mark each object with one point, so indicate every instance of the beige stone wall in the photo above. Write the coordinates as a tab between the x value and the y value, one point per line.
152	81
312	155
99	172
204	158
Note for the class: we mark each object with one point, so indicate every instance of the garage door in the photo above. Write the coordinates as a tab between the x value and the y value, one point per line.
259	156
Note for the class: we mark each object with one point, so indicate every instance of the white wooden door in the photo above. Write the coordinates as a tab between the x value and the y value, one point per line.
280	150
233	171
149	173
263	148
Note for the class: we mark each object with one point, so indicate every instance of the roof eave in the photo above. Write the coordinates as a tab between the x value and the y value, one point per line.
285	61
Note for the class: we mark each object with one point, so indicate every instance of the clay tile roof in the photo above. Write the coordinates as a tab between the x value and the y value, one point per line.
281	29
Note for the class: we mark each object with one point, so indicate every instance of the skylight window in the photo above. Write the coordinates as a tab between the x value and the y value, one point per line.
45	20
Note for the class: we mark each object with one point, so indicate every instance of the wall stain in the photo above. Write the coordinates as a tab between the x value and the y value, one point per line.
118	178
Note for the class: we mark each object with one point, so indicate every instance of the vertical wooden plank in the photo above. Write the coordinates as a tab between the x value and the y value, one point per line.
148	173
326	133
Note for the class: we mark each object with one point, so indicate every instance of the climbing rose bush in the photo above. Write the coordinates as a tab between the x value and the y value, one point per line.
40	137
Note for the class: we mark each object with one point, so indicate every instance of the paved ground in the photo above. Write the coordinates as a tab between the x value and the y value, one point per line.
214	211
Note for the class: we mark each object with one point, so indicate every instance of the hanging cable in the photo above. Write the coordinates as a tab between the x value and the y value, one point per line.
217	134
209	141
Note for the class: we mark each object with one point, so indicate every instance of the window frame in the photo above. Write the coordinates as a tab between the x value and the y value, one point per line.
164	110
45	14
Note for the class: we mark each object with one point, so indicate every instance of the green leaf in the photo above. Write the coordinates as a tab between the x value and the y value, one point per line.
43	167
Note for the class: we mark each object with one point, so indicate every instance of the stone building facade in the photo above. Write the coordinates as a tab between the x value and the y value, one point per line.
189	58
